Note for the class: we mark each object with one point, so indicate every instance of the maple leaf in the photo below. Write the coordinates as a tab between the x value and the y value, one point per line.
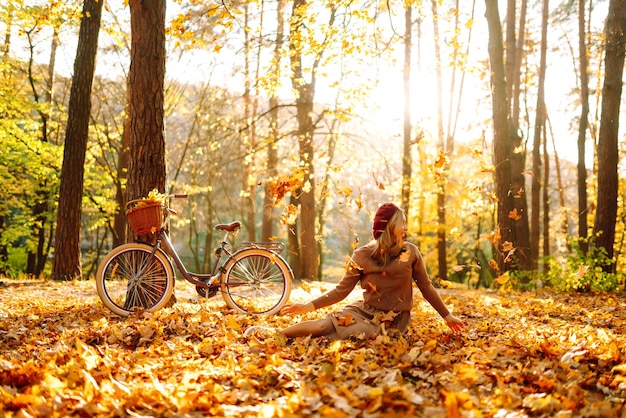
385	318
289	215
503	279
304	285
345	320
355	242
379	184
282	185
352	265
442	159
467	373
487	168
514	215
370	286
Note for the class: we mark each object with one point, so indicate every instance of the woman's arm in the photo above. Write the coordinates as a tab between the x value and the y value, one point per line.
420	276
350	278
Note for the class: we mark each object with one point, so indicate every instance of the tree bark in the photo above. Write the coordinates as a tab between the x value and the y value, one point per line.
67	263
146	168
583	211
267	229
442	262
546	196
606	213
305	94
407	159
538	140
504	142
248	137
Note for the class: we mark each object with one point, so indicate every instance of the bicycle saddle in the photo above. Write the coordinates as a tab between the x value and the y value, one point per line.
233	226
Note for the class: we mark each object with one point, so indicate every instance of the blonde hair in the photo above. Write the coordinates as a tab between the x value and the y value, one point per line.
388	244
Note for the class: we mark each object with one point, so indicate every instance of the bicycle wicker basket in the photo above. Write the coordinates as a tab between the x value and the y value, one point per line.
145	218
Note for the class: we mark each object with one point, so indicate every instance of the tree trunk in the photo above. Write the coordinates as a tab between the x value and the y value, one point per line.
560	189
146	168
540	122
293	244
119	221
501	141
305	92
248	138
67	263
442	262
42	208
546	195
583	211
407	159
267	229
6	46
516	73
606	213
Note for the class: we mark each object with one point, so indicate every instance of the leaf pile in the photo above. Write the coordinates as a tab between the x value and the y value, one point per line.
522	354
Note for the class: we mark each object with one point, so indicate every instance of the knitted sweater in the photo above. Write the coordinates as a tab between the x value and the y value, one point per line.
386	287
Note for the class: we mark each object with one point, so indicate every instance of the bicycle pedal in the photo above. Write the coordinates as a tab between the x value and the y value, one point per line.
207	293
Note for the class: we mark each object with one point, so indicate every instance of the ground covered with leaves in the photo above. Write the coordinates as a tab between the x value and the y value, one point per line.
522	354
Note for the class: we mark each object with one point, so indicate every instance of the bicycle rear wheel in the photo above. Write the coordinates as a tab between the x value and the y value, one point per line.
257	281
131	278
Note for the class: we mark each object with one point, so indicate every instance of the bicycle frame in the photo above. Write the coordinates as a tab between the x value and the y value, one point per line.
206	280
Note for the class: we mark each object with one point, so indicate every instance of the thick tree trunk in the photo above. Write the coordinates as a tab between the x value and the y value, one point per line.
309	259
501	141
67	263
606	213
146	168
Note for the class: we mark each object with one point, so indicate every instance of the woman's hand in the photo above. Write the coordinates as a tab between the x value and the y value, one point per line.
297	308
454	323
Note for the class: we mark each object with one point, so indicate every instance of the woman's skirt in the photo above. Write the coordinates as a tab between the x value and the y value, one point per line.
362	319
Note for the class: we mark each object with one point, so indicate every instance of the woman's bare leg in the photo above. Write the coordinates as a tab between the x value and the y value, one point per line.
315	328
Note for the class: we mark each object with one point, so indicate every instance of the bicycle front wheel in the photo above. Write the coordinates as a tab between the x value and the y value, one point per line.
257	281
130	277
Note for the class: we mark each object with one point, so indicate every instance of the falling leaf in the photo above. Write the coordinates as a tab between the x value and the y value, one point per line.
355	242
514	215
289	215
442	158
487	168
503	279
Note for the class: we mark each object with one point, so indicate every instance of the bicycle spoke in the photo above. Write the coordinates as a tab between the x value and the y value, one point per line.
256	283
134	277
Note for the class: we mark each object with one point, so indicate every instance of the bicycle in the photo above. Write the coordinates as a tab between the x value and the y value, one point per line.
253	279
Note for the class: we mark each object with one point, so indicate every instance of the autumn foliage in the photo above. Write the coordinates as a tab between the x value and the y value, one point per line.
522	354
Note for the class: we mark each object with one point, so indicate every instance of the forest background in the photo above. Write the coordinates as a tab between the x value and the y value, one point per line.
399	111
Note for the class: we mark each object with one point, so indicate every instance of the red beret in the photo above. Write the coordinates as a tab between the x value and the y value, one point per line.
383	215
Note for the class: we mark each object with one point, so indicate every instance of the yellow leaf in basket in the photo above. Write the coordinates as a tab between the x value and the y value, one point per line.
155	196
